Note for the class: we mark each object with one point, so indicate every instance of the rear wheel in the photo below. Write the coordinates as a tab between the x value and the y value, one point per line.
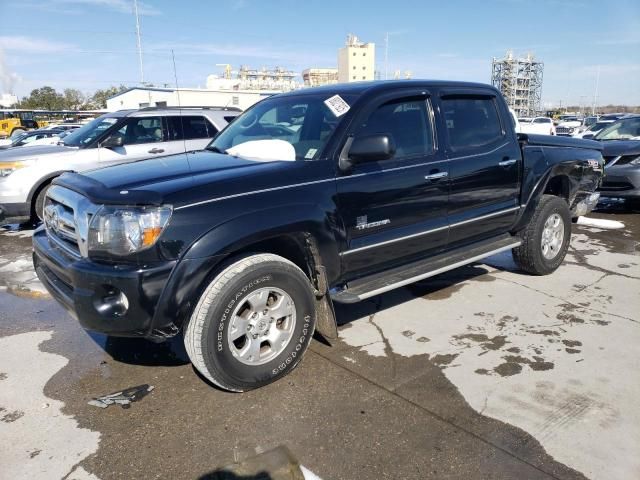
545	240
252	324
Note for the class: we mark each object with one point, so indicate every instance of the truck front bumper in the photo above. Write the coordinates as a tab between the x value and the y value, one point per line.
113	299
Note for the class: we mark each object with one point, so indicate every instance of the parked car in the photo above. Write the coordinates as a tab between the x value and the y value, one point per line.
245	246
539	126
119	137
590	132
612	116
574	125
62	126
621	150
32	138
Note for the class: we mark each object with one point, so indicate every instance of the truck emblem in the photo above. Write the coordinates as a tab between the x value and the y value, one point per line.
362	224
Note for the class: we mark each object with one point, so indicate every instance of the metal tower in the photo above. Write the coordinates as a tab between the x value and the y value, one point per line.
520	81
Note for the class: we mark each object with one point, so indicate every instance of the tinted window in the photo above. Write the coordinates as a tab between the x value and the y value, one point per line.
192	126
142	130
406	122
305	121
472	122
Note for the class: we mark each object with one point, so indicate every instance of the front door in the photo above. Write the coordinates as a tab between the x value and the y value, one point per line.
484	166
143	137
395	209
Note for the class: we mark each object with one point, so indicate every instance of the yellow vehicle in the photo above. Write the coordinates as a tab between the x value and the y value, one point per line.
16	121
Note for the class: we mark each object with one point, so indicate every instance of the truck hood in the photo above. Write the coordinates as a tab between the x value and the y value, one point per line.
187	177
173	169
571	124
32	153
614	148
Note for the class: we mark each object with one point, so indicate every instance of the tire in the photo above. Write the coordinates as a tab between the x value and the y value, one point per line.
238	299
540	255
37	213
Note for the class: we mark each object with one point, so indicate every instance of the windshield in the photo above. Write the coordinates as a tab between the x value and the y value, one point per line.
598	126
627	129
92	130
303	121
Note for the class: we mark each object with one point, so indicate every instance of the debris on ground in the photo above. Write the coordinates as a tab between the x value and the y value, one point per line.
124	398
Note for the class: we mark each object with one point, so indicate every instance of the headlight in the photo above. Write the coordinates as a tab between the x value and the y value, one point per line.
7	168
126	230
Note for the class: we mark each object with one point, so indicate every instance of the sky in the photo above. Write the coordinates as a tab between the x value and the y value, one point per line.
91	44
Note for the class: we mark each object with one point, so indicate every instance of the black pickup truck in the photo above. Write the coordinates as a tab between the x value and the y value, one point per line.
330	194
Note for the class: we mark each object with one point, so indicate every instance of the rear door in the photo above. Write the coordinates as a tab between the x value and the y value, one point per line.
188	132
484	165
395	209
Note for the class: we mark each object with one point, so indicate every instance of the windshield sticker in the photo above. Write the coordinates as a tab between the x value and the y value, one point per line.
337	105
310	153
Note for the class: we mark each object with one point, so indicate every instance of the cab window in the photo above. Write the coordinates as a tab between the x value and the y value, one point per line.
471	122
406	122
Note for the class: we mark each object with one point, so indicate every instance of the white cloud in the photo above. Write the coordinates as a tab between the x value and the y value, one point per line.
31	45
8	78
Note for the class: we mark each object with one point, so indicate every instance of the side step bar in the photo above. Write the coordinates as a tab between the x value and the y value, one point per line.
378	283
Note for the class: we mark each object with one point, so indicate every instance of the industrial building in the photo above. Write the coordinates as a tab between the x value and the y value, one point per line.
520	81
356	61
316	77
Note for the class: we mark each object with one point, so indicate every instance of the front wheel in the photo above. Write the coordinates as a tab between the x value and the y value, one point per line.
545	240
252	324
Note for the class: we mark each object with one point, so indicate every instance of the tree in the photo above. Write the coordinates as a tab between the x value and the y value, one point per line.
99	98
73	99
45	98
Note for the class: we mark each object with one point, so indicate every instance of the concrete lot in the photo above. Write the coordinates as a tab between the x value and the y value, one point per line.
481	373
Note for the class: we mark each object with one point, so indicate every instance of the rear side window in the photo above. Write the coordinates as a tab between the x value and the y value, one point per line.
406	121
189	128
471	122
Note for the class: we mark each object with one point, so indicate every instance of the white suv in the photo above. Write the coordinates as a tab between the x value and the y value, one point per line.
119	137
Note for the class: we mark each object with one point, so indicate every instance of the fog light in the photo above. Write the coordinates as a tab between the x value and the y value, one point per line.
113	304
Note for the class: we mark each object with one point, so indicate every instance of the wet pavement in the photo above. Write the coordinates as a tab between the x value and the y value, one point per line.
484	372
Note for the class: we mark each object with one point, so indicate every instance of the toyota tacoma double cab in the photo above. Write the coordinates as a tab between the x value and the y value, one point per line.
330	194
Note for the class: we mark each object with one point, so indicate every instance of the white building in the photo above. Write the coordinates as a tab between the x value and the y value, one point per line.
8	100
356	61
140	97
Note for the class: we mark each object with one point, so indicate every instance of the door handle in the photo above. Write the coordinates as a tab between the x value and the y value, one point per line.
156	150
436	176
506	163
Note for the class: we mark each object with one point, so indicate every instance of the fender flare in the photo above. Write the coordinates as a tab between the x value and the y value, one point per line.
41	181
217	245
566	170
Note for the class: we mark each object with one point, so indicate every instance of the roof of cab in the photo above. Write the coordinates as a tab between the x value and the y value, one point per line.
378	86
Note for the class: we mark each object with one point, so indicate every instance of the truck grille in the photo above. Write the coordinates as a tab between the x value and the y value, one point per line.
66	218
565	131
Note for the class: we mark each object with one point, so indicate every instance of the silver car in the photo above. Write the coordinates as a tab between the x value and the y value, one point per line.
119	137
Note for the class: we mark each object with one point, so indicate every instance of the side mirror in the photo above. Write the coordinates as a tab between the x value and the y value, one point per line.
113	141
588	136
371	148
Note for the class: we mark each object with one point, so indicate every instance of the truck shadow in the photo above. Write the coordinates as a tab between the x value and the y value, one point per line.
138	351
435	288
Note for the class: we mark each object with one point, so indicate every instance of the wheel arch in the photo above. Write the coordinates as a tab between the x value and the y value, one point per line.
560	180
298	233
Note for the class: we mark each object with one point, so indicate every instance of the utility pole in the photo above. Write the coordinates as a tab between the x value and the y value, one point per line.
135	8
386	56
595	94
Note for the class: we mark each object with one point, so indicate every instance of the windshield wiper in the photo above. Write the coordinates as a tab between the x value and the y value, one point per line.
216	150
